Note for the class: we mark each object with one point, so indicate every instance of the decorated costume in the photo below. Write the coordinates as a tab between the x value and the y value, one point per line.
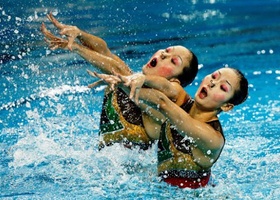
176	165
121	122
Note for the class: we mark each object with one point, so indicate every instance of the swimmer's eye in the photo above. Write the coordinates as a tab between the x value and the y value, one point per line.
214	75
168	49
175	61
224	88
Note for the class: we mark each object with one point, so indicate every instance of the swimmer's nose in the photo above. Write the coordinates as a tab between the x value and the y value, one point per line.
212	84
164	55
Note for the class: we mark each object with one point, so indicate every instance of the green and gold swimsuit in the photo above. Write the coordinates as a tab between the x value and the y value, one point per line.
121	122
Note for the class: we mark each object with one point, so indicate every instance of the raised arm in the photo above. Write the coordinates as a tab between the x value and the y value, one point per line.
72	32
107	64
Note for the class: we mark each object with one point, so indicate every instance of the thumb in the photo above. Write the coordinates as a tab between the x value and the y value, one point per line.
70	43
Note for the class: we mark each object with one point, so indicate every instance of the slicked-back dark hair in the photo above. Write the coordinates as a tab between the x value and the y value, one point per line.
189	72
241	94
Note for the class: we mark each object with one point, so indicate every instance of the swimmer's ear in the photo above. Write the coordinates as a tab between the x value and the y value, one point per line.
227	107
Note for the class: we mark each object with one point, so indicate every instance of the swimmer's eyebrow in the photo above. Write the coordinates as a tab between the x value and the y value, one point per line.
178	56
226	80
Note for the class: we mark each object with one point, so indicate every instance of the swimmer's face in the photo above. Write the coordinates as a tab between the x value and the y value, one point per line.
169	62
217	89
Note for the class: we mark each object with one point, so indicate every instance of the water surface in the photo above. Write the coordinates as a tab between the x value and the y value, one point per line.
49	119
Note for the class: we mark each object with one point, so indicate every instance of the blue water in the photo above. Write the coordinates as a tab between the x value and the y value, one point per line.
49	119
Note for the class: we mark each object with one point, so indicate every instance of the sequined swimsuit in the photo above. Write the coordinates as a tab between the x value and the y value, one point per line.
175	161
121	122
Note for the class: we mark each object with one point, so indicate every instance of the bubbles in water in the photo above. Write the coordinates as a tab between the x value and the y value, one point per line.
54	147
257	72
263	51
55	12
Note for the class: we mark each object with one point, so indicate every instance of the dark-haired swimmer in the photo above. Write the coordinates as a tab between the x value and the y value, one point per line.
191	139
121	120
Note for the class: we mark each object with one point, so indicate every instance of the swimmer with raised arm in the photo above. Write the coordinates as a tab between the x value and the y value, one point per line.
191	140
177	66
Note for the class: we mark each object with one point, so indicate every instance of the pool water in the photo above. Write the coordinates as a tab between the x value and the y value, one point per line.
49	119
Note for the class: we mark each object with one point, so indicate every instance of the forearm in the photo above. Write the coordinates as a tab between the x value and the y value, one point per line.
93	42
98	45
104	63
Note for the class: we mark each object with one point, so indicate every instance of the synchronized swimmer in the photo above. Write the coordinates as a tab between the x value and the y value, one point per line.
188	129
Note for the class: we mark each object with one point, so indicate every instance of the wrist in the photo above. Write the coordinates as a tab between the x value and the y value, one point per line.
75	46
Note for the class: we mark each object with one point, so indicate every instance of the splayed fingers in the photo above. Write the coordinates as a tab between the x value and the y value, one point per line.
55	22
135	82
95	84
72	32
109	79
53	41
47	34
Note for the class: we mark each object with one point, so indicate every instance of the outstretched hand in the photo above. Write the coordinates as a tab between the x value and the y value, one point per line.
111	80
135	82
70	31
53	41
